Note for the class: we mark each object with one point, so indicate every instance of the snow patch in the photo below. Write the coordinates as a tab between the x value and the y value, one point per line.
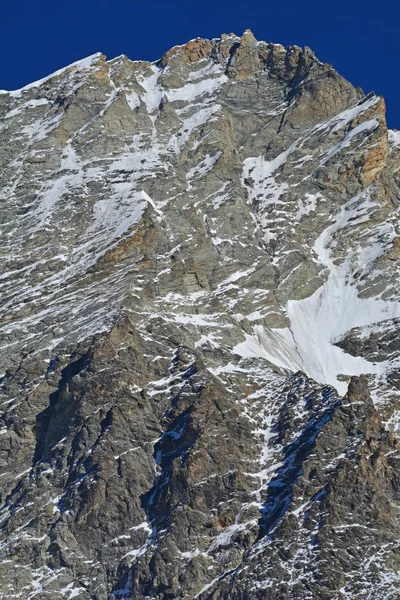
308	205
192	91
324	317
394	138
203	167
81	65
372	124
153	93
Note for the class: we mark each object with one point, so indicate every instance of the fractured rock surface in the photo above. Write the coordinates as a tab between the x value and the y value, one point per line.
199	330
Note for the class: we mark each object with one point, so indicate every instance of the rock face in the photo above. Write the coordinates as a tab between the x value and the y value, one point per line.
199	330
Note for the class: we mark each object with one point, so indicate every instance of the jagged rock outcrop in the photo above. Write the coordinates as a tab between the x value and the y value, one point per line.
198	330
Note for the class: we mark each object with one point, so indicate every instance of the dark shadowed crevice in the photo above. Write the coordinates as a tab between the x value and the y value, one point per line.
44	418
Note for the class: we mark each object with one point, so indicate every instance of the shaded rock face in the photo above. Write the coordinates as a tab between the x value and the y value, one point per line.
199	330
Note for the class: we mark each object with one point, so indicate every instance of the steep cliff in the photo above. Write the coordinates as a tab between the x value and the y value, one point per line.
199	330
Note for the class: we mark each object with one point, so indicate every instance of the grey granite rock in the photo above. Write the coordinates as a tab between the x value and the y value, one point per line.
199	330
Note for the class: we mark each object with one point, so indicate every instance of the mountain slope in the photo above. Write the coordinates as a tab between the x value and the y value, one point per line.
198	255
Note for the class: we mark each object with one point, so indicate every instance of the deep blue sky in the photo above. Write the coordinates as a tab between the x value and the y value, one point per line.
360	38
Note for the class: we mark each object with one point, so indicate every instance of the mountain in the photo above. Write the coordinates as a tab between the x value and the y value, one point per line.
199	330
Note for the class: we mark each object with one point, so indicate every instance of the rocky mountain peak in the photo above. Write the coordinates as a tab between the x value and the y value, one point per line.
199	324
231	51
